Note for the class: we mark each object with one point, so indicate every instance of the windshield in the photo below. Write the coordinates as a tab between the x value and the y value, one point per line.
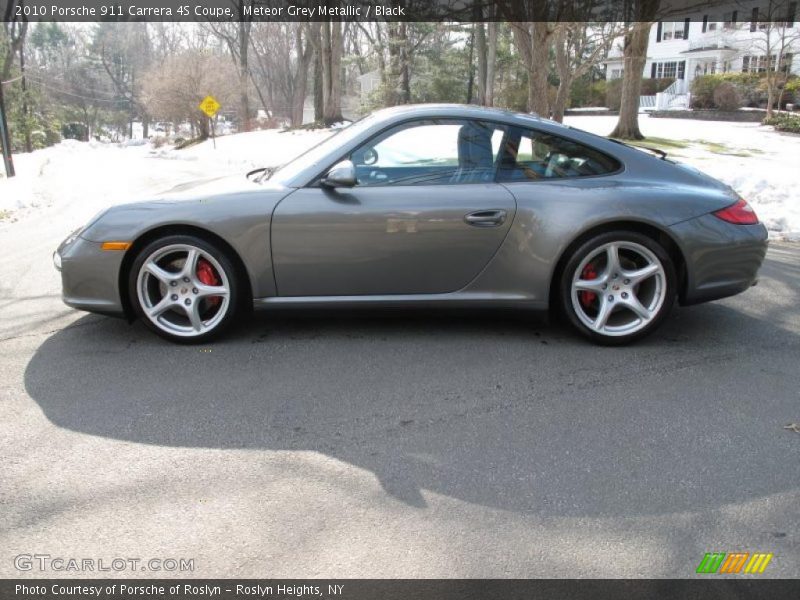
316	155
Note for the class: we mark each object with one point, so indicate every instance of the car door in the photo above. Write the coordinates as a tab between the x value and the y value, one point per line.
425	217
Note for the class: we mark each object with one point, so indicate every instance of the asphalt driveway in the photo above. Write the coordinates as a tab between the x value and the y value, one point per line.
414	444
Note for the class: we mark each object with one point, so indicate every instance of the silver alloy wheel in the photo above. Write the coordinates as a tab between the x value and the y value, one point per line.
626	292
173	297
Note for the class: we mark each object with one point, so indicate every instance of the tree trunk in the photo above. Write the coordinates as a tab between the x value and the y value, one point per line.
405	65
562	98
332	72
318	96
491	61
393	70
532	40
26	126
482	50
635	57
304	50
471	76
770	99
244	75
564	71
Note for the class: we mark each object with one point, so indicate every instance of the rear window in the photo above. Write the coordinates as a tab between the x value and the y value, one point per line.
532	155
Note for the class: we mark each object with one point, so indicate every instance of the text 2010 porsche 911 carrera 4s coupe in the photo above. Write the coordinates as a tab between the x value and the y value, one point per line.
434	205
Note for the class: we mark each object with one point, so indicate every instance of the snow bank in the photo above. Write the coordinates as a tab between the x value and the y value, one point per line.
78	179
245	151
758	162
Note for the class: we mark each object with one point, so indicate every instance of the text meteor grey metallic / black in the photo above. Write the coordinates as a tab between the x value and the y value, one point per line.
434	205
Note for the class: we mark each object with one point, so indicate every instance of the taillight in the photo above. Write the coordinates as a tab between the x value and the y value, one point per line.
739	213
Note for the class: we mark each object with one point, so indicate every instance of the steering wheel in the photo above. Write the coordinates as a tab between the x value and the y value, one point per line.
553	165
369	156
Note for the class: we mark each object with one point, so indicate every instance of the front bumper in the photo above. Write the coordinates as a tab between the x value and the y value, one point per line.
89	276
722	259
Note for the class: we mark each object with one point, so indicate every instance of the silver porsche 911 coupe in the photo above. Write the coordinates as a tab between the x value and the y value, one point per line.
426	205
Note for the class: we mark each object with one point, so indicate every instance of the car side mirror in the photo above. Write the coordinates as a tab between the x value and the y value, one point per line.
342	174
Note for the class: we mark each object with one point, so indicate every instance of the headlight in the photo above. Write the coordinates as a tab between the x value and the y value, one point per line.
57	260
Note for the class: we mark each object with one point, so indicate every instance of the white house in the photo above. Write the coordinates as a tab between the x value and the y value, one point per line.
368	83
732	41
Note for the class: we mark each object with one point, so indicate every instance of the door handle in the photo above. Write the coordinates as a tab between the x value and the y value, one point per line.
486	218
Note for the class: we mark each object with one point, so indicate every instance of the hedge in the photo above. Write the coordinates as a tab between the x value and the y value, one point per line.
751	87
784	122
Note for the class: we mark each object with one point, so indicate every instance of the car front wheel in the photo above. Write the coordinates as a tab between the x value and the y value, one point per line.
618	287
184	288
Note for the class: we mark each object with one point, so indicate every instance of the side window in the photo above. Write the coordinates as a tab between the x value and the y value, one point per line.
431	152
533	155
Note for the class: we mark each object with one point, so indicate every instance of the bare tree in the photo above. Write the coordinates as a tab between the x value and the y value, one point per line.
124	52
775	41
283	54
236	36
15	30
172	89
394	47
579	47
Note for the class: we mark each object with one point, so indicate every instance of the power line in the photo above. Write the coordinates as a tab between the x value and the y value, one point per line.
12	80
75	95
50	81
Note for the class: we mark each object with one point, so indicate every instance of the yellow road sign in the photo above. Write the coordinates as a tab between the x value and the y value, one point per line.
209	105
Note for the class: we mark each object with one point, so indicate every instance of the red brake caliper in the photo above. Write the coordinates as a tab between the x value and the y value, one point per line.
207	276
586	297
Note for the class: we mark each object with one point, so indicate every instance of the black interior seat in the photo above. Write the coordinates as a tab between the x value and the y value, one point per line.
475	157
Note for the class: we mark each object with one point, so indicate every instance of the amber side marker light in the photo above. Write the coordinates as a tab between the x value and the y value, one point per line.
116	245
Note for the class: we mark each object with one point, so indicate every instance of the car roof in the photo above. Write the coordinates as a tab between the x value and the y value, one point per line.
472	111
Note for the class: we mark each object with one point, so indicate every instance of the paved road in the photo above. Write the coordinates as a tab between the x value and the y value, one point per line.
420	445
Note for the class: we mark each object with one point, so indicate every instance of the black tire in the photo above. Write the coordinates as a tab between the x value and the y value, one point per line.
570	304
224	270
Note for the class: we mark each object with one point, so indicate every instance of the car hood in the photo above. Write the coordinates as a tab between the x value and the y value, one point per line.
211	186
204	203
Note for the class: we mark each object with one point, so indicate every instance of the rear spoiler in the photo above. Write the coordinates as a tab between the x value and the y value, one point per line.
661	154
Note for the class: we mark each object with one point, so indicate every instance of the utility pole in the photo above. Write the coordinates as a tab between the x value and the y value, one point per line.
5	138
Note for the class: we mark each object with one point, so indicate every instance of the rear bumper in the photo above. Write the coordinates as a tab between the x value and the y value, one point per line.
722	259
90	277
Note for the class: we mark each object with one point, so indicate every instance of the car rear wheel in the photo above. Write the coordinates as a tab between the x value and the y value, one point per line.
618	287
184	288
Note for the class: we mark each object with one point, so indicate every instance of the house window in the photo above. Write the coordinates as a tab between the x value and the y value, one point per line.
616	73
672	30
712	26
666	70
729	20
758	64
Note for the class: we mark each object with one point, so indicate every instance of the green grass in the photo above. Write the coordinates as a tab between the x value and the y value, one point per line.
669	146
717	148
657	142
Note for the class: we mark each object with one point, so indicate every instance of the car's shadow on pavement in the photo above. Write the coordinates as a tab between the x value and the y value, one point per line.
497	409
